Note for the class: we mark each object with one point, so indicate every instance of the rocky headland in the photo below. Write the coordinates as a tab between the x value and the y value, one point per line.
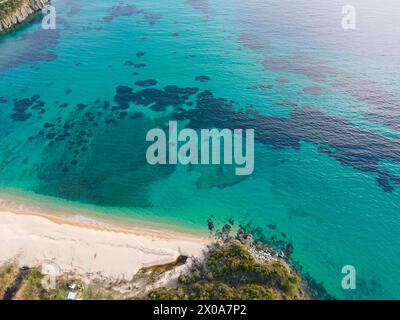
15	12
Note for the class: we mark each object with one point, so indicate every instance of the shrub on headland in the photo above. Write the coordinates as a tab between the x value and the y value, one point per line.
229	271
7	7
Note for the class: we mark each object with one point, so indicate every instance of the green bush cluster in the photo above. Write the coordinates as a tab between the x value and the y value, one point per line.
8	7
230	272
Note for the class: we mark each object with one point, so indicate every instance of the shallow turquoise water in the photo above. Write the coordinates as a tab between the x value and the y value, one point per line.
324	104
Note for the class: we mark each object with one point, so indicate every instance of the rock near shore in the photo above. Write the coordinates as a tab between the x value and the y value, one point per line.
14	12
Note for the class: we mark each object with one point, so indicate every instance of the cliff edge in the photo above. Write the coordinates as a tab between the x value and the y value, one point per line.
14	12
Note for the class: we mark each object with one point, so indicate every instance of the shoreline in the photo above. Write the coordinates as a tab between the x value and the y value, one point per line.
103	218
16	14
90	251
124	261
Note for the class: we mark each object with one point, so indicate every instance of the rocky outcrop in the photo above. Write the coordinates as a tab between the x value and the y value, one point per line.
14	12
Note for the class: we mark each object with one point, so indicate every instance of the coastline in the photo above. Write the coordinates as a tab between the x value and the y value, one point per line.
89	250
14	14
124	219
123	261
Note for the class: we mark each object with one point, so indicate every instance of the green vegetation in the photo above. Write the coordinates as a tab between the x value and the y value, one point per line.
31	287
20	283
229	271
91	291
7	276
8	7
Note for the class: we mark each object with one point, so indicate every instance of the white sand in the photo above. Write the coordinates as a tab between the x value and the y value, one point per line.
89	251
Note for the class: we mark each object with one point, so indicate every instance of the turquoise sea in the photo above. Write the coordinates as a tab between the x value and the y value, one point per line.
76	104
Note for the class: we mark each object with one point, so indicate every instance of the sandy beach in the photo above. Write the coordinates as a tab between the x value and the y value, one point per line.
87	249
